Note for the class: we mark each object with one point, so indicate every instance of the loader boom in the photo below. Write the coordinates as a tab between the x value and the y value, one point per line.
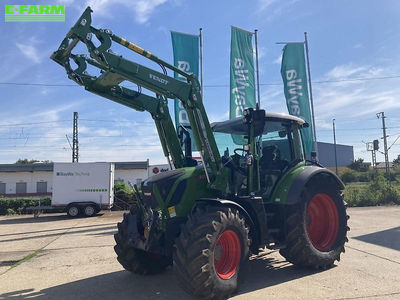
115	69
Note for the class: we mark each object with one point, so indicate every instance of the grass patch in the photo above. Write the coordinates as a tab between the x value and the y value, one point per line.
26	258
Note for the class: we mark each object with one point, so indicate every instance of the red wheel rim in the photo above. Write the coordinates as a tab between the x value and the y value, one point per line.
322	221
227	254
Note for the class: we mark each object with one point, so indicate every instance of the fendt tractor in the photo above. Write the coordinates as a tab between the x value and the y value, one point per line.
253	188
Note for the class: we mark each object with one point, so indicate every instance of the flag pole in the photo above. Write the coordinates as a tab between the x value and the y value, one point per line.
257	72
311	95
201	60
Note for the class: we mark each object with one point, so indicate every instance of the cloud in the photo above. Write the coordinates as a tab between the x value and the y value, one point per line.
278	60
263	4
29	51
359	97
275	8
141	9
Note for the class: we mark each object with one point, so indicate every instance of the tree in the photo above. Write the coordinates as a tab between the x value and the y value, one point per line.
396	161
47	161
359	165
26	161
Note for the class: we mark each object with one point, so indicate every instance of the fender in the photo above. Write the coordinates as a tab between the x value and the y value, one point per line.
304	177
253	211
216	201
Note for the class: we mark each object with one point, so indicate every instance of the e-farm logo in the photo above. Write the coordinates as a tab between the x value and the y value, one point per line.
34	13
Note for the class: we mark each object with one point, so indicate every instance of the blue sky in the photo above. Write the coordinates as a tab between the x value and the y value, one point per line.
354	55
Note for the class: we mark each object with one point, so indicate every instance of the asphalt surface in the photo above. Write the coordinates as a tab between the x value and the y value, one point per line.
74	259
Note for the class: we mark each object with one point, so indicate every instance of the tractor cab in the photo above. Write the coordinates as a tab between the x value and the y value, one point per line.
263	149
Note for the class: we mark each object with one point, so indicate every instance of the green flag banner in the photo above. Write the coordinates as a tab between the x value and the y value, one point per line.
186	58
293	71
242	85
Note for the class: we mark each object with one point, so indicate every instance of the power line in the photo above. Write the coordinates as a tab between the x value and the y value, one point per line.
211	85
33	123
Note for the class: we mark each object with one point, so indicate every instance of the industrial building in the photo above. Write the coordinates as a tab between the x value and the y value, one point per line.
21	180
326	154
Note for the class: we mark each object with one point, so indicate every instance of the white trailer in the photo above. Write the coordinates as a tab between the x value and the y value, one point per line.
83	188
80	189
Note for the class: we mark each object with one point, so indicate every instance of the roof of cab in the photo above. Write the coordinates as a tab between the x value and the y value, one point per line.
273	115
236	125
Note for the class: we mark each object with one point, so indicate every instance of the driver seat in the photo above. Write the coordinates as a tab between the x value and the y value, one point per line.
270	168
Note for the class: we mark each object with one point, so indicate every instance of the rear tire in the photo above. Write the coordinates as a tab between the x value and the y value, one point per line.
135	260
73	211
209	252
316	227
89	211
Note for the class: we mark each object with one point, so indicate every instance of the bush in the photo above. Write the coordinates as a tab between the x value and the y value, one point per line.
7	205
364	177
10	211
348	176
378	192
123	196
392	176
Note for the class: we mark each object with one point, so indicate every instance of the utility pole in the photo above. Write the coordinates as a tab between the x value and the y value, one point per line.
257	72
334	142
311	94
75	146
382	115
201	61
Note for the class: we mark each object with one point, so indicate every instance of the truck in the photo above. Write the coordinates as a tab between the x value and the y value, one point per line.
81	189
253	187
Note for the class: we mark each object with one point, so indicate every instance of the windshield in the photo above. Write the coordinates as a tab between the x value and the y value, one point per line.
227	142
284	141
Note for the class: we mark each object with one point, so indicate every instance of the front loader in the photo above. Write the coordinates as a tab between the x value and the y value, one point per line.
253	188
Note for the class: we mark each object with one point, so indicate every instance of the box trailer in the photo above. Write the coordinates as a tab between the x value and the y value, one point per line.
83	188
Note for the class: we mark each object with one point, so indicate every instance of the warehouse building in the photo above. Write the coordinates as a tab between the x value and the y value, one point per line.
326	154
22	180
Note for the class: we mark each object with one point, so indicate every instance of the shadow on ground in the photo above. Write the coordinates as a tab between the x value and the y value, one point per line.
73	231
31	219
261	271
116	285
264	270
389	238
42	219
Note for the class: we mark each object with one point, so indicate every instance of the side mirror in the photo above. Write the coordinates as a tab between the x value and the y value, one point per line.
313	155
256	117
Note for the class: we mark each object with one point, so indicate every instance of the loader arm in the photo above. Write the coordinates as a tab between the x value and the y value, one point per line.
116	69
108	87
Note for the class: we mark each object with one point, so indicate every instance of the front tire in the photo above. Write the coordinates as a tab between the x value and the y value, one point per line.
316	227
73	211
210	250
135	260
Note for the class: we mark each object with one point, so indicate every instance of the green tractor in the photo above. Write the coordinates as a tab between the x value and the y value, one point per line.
252	189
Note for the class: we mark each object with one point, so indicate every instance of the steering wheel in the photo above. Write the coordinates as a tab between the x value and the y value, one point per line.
239	149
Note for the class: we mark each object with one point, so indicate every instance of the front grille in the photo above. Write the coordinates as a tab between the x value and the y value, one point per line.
164	182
